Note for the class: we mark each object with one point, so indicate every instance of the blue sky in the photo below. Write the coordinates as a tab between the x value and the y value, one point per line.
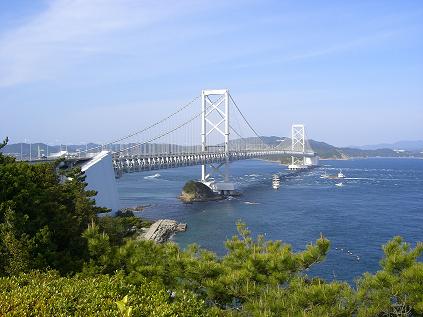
91	70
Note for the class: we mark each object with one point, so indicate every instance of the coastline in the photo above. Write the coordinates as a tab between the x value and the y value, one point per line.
162	230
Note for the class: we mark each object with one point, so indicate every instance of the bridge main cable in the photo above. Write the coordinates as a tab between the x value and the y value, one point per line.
146	128
165	133
246	121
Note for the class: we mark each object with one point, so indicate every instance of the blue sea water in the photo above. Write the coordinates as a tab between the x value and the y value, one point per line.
380	198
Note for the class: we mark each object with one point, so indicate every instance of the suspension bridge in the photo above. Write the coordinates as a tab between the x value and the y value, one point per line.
219	118
210	130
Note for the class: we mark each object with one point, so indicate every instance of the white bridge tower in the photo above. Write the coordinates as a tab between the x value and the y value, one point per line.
298	145
215	119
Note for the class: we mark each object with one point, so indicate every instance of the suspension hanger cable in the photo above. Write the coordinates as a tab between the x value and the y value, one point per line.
170	131
148	127
246	121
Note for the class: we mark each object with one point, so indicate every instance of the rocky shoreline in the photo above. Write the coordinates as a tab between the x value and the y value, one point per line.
162	230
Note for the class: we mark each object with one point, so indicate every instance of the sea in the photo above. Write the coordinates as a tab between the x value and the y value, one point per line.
380	198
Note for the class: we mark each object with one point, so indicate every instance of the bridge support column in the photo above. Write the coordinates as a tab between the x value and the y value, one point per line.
215	119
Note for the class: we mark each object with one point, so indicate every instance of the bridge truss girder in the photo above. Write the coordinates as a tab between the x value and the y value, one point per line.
140	163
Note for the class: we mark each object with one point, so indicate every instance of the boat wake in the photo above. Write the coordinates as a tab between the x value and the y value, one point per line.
152	176
251	203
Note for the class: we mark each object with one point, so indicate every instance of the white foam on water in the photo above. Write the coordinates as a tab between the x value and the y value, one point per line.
251	203
152	176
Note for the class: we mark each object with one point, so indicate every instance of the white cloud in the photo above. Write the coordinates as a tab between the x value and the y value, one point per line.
70	31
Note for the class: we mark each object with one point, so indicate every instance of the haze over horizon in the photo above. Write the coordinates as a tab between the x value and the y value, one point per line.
79	71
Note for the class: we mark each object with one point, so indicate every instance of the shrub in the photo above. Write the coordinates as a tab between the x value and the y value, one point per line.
48	294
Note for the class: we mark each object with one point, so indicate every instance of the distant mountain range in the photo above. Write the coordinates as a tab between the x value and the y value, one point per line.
41	149
324	150
327	151
400	145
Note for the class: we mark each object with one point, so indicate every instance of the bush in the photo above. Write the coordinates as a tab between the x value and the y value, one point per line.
249	268
122	226
397	289
48	294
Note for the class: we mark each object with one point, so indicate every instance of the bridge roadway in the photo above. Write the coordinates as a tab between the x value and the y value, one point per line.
138	163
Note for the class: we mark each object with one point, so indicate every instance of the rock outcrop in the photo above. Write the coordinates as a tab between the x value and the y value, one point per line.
132	209
162	230
197	192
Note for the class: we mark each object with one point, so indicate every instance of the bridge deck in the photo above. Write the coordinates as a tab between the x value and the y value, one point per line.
138	163
145	162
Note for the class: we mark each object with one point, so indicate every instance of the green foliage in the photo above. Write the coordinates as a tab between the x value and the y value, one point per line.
42	218
4	143
125	310
99	248
50	222
304	297
248	269
255	278
266	278
121	227
189	187
48	294
397	289
138	259
197	188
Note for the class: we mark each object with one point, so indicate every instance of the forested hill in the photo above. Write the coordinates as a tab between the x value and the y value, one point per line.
324	150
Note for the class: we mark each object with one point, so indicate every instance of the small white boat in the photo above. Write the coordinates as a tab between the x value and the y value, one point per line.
340	175
339	184
276	182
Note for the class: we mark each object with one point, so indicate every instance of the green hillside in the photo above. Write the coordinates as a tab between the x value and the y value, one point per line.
322	149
